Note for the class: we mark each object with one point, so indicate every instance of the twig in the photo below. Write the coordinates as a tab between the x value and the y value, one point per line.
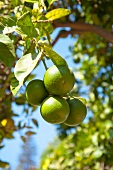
42	21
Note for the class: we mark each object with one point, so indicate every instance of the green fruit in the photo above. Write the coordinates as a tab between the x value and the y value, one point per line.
55	110
36	92
59	80
77	113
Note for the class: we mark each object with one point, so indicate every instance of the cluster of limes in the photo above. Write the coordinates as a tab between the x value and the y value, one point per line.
51	95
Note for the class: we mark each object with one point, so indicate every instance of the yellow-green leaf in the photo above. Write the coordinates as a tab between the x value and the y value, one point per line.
57	13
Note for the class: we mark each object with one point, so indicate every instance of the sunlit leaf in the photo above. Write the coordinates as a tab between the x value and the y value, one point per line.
108	124
97	153
25	65
57	13
95	138
8	30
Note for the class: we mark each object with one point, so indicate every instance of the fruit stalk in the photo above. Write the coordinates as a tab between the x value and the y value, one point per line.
43	60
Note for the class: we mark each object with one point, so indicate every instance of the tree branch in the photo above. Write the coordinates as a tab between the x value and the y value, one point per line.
64	34
84	27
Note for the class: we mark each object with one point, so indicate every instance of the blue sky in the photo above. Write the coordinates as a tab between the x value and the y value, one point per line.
46	132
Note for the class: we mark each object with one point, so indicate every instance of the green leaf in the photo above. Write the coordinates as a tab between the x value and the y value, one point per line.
7	20
15	85
43	27
4	164
56	58
25	20
25	26
25	65
57	13
7	52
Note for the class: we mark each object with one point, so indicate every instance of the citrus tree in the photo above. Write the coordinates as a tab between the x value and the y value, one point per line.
90	145
25	41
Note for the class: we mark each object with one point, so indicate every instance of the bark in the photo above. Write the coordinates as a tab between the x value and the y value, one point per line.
80	28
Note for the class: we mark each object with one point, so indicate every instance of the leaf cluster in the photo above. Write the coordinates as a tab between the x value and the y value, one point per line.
89	146
25	28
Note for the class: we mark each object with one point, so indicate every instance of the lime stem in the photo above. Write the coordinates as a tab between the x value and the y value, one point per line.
43	60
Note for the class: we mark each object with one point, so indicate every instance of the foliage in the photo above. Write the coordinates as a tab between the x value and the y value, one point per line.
84	149
25	40
91	144
25	28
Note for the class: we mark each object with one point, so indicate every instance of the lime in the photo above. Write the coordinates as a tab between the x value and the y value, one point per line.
77	113
54	109
36	92
59	80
